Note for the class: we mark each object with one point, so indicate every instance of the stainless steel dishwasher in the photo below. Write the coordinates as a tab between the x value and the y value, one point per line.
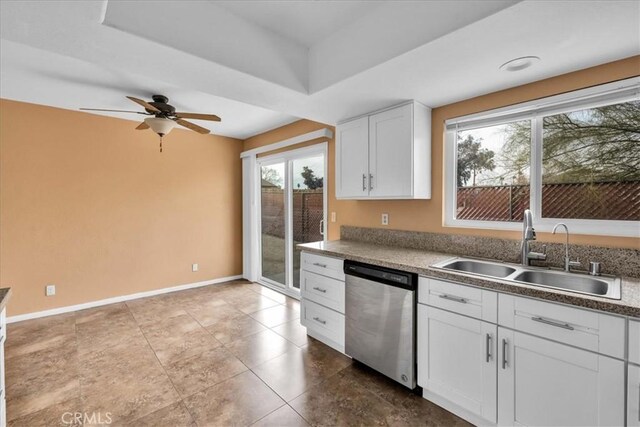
380	320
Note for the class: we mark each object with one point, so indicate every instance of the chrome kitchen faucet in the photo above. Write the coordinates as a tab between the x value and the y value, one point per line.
528	234
567	260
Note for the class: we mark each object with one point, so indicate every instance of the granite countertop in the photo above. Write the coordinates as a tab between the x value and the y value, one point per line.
4	297
420	262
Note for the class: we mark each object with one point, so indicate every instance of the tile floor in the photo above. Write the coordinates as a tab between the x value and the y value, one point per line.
228	354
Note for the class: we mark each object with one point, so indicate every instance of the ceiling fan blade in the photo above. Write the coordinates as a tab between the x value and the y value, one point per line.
145	104
192	126
114	111
197	116
142	126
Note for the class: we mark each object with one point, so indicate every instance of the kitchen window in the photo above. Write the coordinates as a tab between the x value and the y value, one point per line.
573	158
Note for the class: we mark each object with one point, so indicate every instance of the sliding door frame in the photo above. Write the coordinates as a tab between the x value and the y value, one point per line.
287	157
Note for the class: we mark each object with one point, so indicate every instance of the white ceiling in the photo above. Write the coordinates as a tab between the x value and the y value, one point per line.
41	77
260	64
307	22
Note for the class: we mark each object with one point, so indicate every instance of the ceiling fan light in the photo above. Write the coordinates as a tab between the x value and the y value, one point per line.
160	125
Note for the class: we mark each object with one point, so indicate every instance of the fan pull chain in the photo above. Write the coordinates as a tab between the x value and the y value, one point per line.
161	143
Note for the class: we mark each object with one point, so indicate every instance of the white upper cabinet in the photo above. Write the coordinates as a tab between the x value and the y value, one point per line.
386	155
352	159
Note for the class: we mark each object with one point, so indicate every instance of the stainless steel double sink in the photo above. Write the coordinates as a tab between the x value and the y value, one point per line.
601	286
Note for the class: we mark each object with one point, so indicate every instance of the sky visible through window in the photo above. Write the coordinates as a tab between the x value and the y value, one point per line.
275	173
503	170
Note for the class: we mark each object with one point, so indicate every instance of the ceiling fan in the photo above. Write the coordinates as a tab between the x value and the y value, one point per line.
163	116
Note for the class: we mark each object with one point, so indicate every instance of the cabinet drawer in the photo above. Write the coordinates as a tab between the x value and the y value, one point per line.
598	332
324	265
466	300
634	341
323	321
323	290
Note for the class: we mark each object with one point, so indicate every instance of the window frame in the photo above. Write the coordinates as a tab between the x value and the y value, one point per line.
610	93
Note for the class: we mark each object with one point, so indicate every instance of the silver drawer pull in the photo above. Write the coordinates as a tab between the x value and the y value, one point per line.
452	298
319	320
552	323
317	264
504	353
324	291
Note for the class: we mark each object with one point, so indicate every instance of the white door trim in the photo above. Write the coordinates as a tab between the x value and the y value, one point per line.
255	242
324	133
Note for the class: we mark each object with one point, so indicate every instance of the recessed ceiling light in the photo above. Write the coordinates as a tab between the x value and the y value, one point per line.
518	64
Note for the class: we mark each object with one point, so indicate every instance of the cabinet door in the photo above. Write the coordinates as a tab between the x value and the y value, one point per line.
544	383
457	360
633	396
391	153
352	159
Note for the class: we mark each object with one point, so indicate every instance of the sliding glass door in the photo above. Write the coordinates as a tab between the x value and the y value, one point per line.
292	211
273	219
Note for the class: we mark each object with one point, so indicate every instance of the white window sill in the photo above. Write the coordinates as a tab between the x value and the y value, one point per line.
587	227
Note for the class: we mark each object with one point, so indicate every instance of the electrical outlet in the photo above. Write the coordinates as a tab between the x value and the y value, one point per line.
385	219
333	217
50	290
194	267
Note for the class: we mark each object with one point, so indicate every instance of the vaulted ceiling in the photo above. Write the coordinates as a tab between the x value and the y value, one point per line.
261	64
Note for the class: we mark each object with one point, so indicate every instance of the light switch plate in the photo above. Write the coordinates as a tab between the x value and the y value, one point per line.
385	219
50	290
194	267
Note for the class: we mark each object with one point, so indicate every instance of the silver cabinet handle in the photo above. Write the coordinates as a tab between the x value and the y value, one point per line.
552	323
319	320
364	184
370	182
317	264
324	291
504	354
452	298
322	227
489	357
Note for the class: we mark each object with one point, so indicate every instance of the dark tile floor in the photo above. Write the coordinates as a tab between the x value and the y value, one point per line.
229	354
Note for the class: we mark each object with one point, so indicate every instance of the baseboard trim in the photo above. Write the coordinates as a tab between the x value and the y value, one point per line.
112	300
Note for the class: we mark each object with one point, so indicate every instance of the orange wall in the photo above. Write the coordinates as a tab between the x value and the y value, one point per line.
427	215
89	204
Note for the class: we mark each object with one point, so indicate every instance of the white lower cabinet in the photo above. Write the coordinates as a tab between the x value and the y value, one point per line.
633	395
545	383
541	364
322	299
457	360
